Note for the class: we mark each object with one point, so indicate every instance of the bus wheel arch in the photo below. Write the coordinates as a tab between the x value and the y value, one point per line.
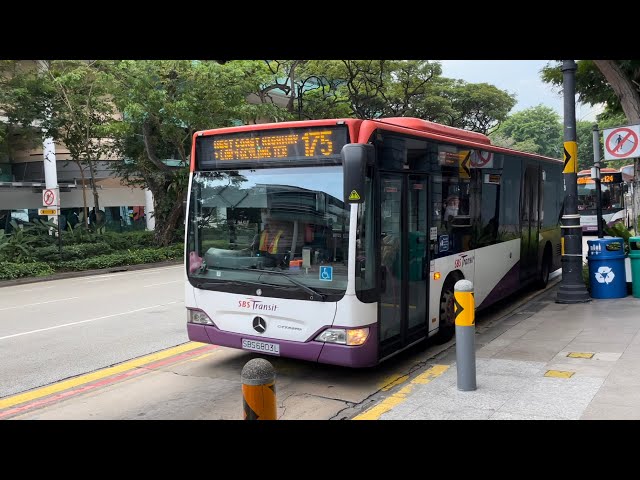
446	326
545	266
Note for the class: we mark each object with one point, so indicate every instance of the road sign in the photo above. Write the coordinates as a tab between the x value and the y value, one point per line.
465	165
570	157
48	211
621	142
51	197
326	273
481	159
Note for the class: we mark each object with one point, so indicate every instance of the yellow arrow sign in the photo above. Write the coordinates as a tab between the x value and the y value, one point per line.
570	157
48	211
465	164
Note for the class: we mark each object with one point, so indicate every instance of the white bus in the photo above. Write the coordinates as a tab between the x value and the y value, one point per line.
340	241
614	207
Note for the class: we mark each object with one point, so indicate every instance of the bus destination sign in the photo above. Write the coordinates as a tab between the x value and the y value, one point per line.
606	178
283	144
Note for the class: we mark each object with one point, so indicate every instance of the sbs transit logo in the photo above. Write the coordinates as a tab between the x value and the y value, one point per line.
252	304
462	260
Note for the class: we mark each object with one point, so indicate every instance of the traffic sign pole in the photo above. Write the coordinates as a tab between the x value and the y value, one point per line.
596	164
572	289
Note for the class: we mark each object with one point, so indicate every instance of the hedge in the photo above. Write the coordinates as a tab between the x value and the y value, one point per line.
117	259
71	252
10	270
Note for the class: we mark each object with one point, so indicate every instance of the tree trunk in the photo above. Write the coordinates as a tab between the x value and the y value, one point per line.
94	187
622	86
84	197
166	229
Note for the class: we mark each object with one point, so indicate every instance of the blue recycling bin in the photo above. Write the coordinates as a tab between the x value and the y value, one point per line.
607	276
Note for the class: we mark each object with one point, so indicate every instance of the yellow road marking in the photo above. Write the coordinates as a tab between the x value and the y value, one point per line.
559	373
580	355
392	381
91	377
400	396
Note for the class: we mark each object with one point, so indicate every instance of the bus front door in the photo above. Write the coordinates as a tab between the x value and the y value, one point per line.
404	256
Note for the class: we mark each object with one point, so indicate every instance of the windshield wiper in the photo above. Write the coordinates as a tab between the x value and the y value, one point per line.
314	293
244	283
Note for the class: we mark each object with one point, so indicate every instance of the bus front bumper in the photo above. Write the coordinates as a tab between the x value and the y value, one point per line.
365	355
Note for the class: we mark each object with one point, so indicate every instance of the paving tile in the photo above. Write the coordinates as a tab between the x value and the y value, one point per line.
555	397
470	414
607	411
500	415
579	346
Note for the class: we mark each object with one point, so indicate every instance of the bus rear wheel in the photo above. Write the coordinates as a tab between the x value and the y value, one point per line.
447	327
545	270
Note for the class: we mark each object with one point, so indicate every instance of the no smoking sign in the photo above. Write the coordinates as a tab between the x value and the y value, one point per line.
622	142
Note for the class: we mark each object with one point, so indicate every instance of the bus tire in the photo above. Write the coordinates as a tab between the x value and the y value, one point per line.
545	268
447	326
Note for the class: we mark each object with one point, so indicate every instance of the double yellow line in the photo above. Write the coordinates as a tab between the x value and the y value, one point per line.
374	413
58	387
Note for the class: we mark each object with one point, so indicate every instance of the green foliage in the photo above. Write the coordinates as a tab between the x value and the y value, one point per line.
71	252
131	257
127	240
17	245
618	229
591	86
79	234
536	130
11	270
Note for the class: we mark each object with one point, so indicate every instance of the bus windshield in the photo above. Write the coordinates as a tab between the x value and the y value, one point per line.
283	230
612	201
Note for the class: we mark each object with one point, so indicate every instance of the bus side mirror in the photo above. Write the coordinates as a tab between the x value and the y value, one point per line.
355	158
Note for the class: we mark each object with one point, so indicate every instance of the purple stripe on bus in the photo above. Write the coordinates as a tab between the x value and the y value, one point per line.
197	333
507	285
362	356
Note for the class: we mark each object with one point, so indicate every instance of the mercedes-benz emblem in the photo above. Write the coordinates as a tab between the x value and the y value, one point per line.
259	325
259	292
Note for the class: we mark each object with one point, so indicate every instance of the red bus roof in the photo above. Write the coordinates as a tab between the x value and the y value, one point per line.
361	130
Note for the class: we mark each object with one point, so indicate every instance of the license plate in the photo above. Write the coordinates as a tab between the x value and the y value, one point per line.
264	347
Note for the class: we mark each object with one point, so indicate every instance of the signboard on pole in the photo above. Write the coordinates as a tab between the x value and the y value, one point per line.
622	142
48	211
51	197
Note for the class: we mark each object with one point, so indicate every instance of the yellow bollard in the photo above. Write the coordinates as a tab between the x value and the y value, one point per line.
259	390
465	315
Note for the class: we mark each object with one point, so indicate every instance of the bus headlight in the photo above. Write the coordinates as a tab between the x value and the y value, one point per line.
199	317
351	336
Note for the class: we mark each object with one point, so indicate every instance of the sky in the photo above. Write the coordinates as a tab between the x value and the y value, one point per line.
521	77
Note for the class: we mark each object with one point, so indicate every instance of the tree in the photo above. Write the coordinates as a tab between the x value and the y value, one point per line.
70	102
536	130
478	107
614	83
163	103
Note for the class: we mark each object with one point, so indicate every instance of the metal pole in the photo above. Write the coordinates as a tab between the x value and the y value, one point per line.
59	236
259	390
572	289
596	164
465	318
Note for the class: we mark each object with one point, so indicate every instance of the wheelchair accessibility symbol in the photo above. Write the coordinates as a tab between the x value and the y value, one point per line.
326	274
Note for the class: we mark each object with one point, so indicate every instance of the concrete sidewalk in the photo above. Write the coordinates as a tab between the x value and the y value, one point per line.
545	361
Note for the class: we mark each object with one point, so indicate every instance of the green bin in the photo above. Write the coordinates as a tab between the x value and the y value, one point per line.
634	258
